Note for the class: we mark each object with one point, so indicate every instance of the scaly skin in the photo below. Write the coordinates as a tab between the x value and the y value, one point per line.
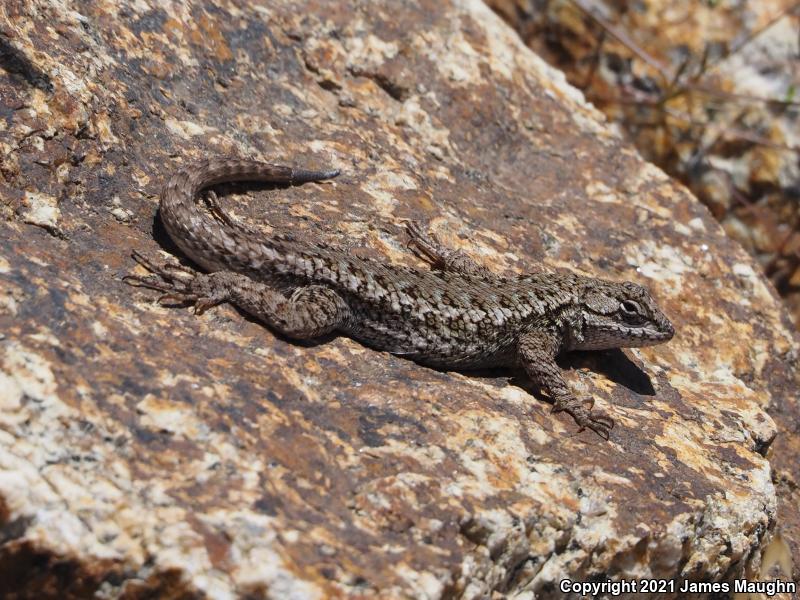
458	315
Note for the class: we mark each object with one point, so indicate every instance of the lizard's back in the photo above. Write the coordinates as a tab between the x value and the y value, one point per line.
437	318
434	317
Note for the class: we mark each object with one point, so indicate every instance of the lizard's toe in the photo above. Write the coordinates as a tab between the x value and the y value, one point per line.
601	424
176	297
168	271
148	281
585	417
421	243
201	305
178	284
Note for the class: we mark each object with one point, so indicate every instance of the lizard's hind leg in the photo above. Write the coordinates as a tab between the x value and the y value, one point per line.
308	312
428	248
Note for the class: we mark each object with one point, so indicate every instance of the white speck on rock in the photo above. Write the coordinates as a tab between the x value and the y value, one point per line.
42	210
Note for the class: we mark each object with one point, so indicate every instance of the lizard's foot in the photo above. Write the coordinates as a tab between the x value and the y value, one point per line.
212	203
424	245
179	284
219	214
581	412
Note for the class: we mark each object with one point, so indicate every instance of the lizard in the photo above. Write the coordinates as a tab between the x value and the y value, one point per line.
456	314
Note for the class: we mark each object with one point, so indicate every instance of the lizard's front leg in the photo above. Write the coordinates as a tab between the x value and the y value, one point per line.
536	352
428	247
309	312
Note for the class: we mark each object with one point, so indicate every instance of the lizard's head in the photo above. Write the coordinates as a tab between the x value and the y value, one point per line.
620	315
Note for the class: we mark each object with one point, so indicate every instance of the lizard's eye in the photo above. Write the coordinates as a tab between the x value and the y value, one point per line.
629	308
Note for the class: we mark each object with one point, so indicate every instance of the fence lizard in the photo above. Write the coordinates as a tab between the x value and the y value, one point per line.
457	315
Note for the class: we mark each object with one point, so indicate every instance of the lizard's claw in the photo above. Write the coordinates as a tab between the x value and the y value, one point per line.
584	417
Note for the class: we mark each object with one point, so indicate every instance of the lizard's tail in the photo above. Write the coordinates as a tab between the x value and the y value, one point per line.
209	242
304	175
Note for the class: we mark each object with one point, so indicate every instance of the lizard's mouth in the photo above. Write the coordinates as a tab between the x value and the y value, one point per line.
649	336
603	335
665	330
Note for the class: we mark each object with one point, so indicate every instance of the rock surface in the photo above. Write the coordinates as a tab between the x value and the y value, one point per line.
148	452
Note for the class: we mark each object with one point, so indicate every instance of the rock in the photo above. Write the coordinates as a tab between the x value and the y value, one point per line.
149	452
42	210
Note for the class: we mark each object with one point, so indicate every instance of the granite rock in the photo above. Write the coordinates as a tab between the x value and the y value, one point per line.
148	452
